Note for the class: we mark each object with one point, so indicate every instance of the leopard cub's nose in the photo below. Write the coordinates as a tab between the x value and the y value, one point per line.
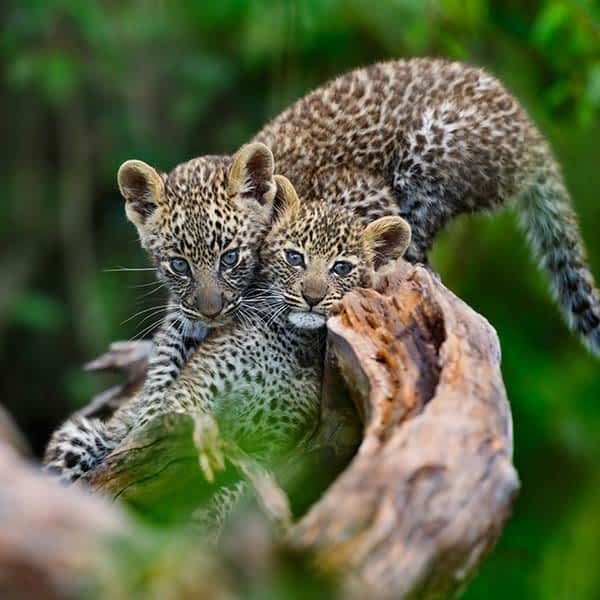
312	298
210	303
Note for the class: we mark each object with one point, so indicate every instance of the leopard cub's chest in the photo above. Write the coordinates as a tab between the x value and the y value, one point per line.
261	384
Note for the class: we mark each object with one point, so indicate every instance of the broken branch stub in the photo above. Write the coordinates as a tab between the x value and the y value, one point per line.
127	358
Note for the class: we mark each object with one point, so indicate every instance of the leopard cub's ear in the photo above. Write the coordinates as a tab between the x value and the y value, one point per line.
386	239
251	174
143	189
286	200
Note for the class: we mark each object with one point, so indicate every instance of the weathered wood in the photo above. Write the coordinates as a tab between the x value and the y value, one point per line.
60	543
430	488
412	515
128	358
51	539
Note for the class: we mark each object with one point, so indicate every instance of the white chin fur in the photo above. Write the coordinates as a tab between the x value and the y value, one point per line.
197	328
306	320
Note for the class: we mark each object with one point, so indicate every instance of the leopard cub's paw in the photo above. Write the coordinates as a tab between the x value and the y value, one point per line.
75	448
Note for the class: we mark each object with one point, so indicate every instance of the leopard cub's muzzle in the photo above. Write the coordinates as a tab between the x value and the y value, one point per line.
312	314
210	305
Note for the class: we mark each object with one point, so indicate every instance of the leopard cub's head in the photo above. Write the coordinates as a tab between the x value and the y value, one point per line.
202	225
314	255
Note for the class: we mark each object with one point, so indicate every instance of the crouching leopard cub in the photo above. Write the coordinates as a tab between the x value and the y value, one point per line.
260	381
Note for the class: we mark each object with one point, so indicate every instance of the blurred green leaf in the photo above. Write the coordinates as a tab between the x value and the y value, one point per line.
38	312
592	90
550	21
79	387
60	75
569	565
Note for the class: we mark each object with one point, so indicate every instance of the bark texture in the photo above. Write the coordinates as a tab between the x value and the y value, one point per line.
431	486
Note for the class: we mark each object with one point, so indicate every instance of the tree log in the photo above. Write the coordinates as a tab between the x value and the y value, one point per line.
430	488
50	538
61	543
414	419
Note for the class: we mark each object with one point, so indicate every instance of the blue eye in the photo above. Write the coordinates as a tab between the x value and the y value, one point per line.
230	258
179	266
342	268
295	259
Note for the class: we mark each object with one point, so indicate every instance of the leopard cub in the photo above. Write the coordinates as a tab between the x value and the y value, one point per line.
259	379
202	225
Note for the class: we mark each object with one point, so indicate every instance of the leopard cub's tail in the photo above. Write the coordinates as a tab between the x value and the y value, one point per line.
76	447
553	233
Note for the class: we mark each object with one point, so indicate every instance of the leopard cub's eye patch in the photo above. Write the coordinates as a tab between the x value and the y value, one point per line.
343	268
179	266
294	258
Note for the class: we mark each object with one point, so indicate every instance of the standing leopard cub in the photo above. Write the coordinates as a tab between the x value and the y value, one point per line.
260	381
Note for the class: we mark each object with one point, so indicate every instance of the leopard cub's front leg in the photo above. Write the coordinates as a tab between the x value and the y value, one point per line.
81	443
174	343
76	447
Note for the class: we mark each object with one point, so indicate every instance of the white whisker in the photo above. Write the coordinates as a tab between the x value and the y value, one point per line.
147	330
153	291
149	316
276	314
141	312
128	269
142	285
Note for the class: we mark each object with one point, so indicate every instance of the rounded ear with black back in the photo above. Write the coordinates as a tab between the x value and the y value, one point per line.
143	189
387	239
286	199
251	174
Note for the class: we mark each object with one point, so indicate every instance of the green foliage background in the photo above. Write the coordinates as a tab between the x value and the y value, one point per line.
86	85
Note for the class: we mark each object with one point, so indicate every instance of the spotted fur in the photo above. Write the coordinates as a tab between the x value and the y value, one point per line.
428	140
198	213
172	345
261	379
425	139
